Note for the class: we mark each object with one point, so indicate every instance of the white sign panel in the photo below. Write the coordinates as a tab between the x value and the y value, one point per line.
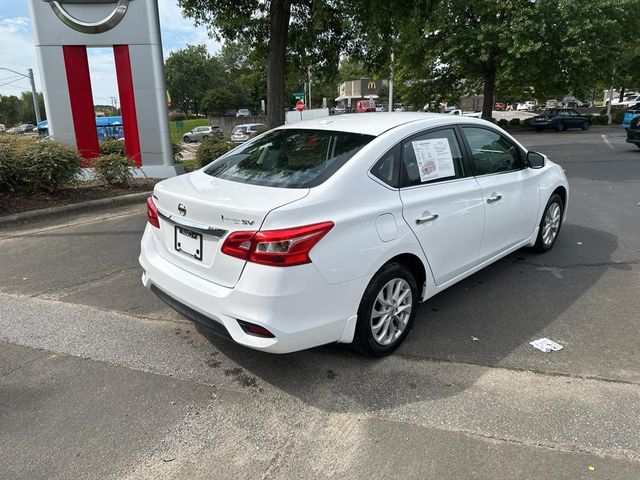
434	158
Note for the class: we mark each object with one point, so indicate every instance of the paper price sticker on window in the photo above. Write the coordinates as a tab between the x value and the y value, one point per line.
434	159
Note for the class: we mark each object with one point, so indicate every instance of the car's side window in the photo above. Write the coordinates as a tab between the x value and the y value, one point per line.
431	157
573	113
491	152
386	169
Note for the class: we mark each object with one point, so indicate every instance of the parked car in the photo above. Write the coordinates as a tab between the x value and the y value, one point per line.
242	133
2	128
399	107
633	132
630	101
365	106
200	133
630	114
243	112
379	107
526	106
560	119
13	130
26	128
316	233
553	103
339	109
500	106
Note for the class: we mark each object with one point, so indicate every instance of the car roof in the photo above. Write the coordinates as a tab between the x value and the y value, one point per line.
379	122
247	125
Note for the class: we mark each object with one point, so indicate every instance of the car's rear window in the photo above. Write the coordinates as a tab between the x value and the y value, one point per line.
289	158
549	113
239	129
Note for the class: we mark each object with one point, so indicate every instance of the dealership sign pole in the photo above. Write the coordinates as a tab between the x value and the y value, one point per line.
63	30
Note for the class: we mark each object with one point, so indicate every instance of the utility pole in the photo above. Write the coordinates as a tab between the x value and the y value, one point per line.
391	85
309	75
609	103
34	94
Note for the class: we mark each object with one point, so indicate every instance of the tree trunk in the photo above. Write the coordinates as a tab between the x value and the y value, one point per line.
280	11
621	98
489	77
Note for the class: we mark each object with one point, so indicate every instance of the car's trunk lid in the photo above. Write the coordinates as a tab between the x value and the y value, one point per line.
197	212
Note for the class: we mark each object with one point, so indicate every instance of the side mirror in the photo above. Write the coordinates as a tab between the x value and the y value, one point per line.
535	160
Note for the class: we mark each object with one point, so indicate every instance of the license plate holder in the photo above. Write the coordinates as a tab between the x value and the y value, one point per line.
188	242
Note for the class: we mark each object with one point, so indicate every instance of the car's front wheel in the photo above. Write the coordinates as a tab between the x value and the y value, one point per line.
186	139
550	224
560	126
586	125
386	310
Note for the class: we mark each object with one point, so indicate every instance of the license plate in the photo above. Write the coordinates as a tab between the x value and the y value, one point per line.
188	242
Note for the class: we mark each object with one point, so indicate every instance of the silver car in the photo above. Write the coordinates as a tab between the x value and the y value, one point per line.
200	133
242	133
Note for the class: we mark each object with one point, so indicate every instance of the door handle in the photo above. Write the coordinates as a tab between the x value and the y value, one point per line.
494	198
430	218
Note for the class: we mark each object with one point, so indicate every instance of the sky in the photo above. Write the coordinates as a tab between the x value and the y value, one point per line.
17	51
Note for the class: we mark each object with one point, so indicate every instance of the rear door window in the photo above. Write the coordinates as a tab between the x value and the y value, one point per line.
289	158
431	157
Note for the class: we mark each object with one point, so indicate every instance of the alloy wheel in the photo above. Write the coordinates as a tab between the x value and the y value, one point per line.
551	224
391	311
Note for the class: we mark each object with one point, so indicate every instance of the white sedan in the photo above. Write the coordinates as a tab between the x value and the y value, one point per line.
333	230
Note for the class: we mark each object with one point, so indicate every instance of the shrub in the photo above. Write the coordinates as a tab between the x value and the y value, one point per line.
111	147
115	170
514	122
48	165
176	115
617	115
503	122
599	119
12	149
212	148
177	149
526	122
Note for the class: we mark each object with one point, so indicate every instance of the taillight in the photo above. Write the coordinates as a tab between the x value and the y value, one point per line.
278	248
152	213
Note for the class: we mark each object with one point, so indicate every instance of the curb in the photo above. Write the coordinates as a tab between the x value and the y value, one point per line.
120	200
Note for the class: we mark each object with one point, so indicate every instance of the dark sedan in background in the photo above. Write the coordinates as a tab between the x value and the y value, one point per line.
633	132
560	119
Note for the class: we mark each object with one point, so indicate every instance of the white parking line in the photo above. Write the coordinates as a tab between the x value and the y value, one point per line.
606	140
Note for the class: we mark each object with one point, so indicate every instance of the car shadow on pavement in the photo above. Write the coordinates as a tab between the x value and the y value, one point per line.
486	320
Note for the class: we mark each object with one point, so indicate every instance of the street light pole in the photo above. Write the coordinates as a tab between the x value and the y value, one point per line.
34	94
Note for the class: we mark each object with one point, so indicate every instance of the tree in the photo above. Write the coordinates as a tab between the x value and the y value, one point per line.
316	28
189	74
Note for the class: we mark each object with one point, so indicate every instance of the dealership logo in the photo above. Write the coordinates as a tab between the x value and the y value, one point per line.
104	25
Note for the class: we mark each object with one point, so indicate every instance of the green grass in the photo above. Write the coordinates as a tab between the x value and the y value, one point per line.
176	133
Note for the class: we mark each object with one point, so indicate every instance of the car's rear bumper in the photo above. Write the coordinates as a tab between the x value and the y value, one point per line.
633	136
296	304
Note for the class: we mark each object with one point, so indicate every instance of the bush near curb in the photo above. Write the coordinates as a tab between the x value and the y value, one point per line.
47	165
599	119
178	151
110	147
11	164
527	122
114	169
514	122
212	148
503	122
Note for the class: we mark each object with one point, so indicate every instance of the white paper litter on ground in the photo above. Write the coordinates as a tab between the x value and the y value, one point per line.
546	345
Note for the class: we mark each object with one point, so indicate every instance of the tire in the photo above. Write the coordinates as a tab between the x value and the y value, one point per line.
544	243
638	145
186	139
382	287
560	127
586	125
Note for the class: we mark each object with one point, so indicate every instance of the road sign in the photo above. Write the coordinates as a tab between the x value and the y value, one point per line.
298	96
179	123
300	105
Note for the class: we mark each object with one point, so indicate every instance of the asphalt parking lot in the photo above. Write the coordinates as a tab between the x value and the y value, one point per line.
99	379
